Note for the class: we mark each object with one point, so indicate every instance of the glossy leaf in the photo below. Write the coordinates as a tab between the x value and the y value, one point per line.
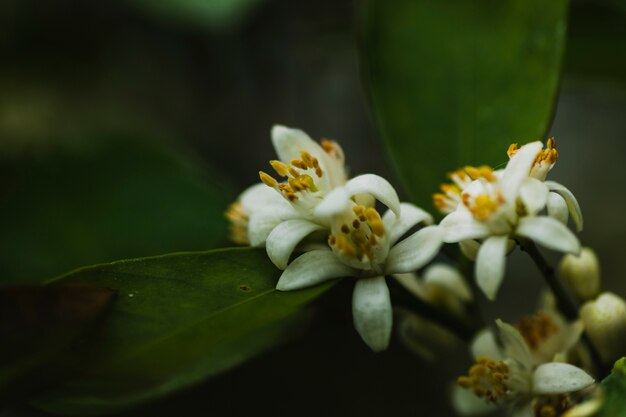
614	389
453	83
116	199
178	320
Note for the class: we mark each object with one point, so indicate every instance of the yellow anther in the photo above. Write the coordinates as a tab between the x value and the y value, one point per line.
238	227
356	223
483	206
345	246
536	329
328	145
480	172
307	159
281	168
332	240
487	379
512	149
267	179
298	163
374	221
450	188
345	229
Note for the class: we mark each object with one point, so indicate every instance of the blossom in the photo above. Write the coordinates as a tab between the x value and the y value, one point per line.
511	374
499	206
366	246
280	214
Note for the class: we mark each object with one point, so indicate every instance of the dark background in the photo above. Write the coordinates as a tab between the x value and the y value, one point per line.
214	87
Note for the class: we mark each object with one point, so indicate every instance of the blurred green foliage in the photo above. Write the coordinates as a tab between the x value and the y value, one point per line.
107	199
177	320
614	392
453	83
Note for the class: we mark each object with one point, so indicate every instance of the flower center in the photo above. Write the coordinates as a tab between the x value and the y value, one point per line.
238	223
450	196
487	379
483	205
298	174
536	329
356	236
551	406
544	161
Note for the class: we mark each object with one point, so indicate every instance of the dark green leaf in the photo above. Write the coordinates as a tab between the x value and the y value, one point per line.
39	322
614	391
454	82
65	208
178	319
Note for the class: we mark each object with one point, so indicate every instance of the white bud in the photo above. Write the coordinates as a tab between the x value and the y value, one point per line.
605	323
582	273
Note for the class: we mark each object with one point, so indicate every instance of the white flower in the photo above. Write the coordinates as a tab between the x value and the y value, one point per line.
279	215
440	285
582	273
367	247
502	205
509	373
605	322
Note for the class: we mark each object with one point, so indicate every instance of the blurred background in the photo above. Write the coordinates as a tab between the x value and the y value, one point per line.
127	126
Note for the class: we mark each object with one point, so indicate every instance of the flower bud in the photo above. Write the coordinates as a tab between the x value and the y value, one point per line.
582	273
605	323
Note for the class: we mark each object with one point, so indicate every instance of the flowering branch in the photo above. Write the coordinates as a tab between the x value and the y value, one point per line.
564	302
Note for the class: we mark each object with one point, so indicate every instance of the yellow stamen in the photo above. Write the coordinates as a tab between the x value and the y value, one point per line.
536	329
238	227
487	379
267	179
281	168
483	206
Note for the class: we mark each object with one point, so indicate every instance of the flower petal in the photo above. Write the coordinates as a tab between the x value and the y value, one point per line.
469	248
490	263
313	268
446	277
461	225
549	233
572	203
377	186
371	312
485	344
288	143
518	169
261	222
559	378
260	195
412	284
285	237
336	202
514	344
534	195
557	207
466	403
415	251
411	216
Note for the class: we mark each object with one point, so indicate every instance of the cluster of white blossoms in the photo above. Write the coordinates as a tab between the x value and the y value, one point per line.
317	224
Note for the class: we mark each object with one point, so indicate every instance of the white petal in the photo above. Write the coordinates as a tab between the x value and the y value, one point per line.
412	284
285	237
415	251
461	225
411	216
557	207
559	378
572	203
514	344
288	143
518	169
448	278
371	312
485	344
466	403
534	195
469	248
261	222
336	202
549	233
490	265
260	195
376	186
312	268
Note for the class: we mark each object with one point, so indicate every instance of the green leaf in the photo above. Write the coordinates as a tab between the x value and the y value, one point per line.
116	199
215	14
614	391
178	319
454	82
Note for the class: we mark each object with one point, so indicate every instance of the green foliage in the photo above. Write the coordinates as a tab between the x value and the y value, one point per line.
178	319
117	199
207	13
614	391
453	82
